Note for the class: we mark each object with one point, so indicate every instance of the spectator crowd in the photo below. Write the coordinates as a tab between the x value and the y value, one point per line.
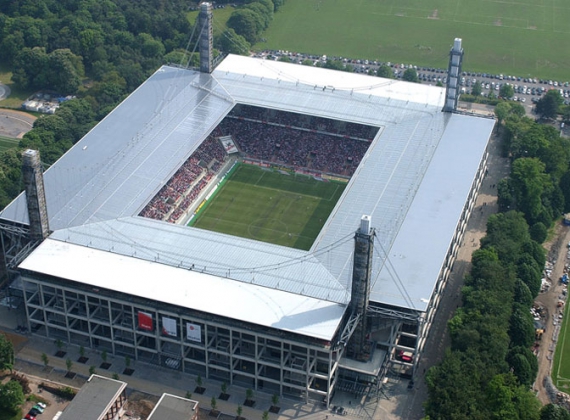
304	142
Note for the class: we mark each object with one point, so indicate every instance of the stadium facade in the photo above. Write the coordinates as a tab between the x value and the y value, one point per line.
267	317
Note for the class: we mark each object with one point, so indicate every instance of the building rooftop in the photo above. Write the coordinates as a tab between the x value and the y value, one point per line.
94	399
171	407
413	181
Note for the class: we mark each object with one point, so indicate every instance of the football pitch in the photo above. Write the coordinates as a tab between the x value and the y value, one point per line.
561	364
517	37
270	206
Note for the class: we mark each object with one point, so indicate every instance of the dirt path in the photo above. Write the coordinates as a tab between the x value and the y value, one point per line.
15	123
549	301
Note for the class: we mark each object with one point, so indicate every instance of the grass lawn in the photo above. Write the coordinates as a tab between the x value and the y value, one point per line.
561	366
221	16
268	206
17	96
519	37
8	143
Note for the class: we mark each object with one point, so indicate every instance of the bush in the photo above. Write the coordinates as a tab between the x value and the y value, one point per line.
23	381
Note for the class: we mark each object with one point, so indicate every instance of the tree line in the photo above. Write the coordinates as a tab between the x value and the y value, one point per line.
488	371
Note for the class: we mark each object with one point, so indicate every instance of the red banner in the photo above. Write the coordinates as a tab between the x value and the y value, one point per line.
145	321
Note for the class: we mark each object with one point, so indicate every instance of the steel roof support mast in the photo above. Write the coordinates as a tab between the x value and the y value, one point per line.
206	40
359	346
453	74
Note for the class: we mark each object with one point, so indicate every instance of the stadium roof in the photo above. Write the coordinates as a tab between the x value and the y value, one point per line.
414	180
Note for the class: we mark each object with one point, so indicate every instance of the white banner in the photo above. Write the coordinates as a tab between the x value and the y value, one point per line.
169	327
194	332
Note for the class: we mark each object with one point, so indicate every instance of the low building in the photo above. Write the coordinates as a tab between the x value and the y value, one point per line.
171	407
99	399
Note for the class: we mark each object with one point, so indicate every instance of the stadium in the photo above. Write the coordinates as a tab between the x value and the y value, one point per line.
117	259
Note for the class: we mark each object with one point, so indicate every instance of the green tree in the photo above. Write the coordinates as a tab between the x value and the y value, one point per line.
188	395
521	328
476	89
502	111
265	415
115	376
554	412
6	354
523	294
245	23
385	71
104	356
45	360
214	403
506	91
410	75
549	105
11	396
232	43
68	364
224	388
239	410
275	399
249	394
538	232
524	364
91	370
529	181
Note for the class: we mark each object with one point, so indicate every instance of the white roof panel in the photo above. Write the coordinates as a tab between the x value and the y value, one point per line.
187	288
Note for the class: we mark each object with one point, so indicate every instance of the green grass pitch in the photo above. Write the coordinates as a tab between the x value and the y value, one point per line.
561	365
269	206
517	37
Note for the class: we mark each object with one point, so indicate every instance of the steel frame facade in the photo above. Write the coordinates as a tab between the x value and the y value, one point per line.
229	350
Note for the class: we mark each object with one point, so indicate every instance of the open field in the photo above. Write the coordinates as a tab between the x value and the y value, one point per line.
8	143
561	363
269	206
221	16
517	37
17	96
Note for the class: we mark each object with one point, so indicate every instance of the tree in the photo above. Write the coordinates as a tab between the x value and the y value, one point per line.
410	75
127	362
502	111
506	91
249	394
6	354
45	359
554	412
11	395
521	328
529	181
246	23
275	399
239	410
538	232
476	89
68	364
59	344
115	376
213	403
91	370
104	356
265	415
224	388
199	381
385	71
549	105
232	43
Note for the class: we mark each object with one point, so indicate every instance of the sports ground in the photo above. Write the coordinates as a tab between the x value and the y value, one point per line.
518	37
561	364
271	206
